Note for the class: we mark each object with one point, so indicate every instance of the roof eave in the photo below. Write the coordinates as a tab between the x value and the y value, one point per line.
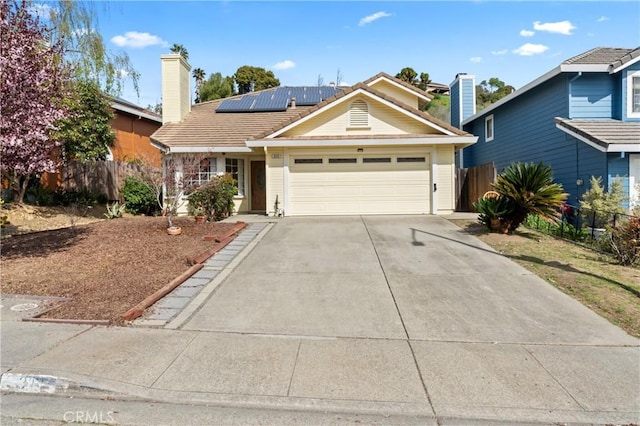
119	107
625	65
461	141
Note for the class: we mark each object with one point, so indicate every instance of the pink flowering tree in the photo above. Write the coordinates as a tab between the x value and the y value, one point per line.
33	84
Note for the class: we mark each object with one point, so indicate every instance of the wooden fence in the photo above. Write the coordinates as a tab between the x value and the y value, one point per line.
104	177
472	183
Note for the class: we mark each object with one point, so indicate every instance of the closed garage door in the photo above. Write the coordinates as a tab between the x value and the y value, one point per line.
346	184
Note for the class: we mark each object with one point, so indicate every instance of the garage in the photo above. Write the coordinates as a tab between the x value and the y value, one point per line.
348	183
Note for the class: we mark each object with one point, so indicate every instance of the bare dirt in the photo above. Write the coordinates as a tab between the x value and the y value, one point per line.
104	266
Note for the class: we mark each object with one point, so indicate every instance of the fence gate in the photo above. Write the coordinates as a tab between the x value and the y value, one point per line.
472	183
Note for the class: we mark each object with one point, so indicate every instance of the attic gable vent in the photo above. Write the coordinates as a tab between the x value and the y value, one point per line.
359	114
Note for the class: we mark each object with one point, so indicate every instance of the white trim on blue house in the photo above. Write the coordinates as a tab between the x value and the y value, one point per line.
625	65
630	76
612	147
489	119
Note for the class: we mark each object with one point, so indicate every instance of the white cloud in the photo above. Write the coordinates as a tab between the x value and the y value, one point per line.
527	33
475	59
41	10
499	52
369	19
138	40
530	49
562	27
284	65
603	18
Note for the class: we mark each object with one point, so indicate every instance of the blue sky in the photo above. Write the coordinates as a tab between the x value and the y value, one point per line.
298	40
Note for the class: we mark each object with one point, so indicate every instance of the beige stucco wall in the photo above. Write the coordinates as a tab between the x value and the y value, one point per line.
446	179
383	120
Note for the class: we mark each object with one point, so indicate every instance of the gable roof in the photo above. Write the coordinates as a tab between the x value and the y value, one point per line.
604	135
368	89
125	106
383	75
599	59
204	128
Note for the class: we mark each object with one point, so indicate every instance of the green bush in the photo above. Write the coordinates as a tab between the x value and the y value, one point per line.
40	196
67	197
214	198
624	241
493	211
138	197
599	206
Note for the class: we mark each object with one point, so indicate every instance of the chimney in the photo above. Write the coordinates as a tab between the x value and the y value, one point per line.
293	103
176	88
463	98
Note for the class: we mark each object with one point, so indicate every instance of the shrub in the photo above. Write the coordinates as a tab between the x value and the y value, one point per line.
40	196
599	206
492	211
215	197
138	197
115	210
624	241
67	197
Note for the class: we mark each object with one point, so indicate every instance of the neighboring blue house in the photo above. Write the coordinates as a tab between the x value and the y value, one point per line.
582	118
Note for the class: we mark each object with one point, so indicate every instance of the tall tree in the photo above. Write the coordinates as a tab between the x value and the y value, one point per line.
408	74
249	79
86	133
33	83
216	87
74	25
181	50
424	81
198	74
488	92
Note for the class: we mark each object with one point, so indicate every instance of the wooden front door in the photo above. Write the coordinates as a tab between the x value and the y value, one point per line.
258	186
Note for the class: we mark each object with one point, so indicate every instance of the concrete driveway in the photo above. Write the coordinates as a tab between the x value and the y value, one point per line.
411	277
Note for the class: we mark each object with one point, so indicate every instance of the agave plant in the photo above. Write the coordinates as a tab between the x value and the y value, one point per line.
530	189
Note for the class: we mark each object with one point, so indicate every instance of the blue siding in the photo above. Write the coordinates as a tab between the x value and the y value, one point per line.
619	168
623	89
524	130
591	162
468	101
616	109
591	95
455	104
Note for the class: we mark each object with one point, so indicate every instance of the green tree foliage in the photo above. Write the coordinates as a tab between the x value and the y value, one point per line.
598	205
521	189
250	79
216	87
74	24
408	75
138	197
491	91
198	75
86	133
215	197
424	80
181	50
439	107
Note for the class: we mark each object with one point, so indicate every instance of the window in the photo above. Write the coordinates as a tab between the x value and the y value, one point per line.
359	114
197	173
376	160
343	160
308	161
411	160
488	128
235	167
633	94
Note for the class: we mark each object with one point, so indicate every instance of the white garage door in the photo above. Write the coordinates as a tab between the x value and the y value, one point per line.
348	184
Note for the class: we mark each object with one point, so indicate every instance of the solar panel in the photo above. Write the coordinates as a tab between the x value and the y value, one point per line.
278	99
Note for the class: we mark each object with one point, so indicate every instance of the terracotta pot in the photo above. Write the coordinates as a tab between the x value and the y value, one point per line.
174	230
200	219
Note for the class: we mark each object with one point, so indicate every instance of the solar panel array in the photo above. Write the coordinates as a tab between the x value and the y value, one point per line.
278	99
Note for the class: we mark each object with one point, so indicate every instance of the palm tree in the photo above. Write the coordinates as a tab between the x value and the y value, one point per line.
198	74
529	188
178	48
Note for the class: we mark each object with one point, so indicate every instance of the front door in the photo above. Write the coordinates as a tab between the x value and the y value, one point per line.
258	186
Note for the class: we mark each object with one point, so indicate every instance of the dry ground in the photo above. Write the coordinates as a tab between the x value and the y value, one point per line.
105	266
593	278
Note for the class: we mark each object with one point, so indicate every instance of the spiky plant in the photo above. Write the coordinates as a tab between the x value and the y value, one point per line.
531	190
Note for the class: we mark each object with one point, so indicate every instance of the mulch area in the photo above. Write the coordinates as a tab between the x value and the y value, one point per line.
105	268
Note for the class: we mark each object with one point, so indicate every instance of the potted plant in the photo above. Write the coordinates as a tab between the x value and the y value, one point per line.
196	206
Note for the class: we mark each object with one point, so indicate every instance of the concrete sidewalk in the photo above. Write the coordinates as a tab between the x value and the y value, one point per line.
384	316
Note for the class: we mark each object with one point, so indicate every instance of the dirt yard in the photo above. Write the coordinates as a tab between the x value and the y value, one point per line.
104	266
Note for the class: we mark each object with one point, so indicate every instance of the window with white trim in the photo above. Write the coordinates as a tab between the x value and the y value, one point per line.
235	167
488	128
201	172
633	94
359	114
